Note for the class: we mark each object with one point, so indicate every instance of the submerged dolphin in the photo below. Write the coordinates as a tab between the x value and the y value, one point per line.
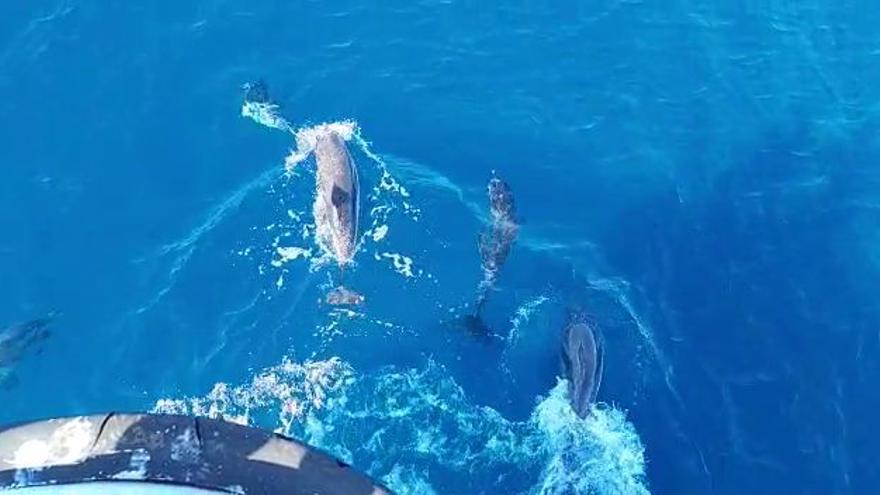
15	341
582	356
257	92
496	241
337	199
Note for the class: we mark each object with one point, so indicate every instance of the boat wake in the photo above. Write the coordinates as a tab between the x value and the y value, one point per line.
418	431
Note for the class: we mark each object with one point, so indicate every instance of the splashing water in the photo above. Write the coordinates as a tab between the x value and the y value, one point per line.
414	428
402	264
400	425
425	416
387	195
406	481
291	389
265	113
522	316
600	454
307	139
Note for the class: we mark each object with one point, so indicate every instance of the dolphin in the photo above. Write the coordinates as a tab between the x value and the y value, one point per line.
582	359
257	92
337	192
495	242
15	341
337	199
259	106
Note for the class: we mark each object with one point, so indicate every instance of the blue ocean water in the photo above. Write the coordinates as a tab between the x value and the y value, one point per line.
702	176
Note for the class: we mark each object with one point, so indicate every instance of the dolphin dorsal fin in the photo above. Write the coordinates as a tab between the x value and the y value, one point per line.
338	196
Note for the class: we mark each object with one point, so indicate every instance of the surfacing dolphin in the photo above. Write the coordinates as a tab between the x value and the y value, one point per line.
15	341
337	207
582	360
259	106
337	193
495	242
337	201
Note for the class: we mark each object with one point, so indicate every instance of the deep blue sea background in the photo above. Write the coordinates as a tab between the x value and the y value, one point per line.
702	176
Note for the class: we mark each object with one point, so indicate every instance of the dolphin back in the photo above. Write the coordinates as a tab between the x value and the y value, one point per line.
501	202
582	358
25	333
496	241
15	341
339	191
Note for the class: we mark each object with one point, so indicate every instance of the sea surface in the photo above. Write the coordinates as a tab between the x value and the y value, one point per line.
701	177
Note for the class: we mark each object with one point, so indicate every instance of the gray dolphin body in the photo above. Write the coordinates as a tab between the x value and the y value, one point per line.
15	341
496	241
582	359
337	202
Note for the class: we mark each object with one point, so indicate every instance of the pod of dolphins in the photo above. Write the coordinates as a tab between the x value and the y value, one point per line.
336	210
582	351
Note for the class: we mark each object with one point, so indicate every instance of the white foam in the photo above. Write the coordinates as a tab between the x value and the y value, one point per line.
405	480
265	113
290	253
402	264
306	139
599	454
398	424
522	316
426	413
291	389
379	233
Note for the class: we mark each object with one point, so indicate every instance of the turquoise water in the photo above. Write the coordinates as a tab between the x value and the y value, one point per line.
700	176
